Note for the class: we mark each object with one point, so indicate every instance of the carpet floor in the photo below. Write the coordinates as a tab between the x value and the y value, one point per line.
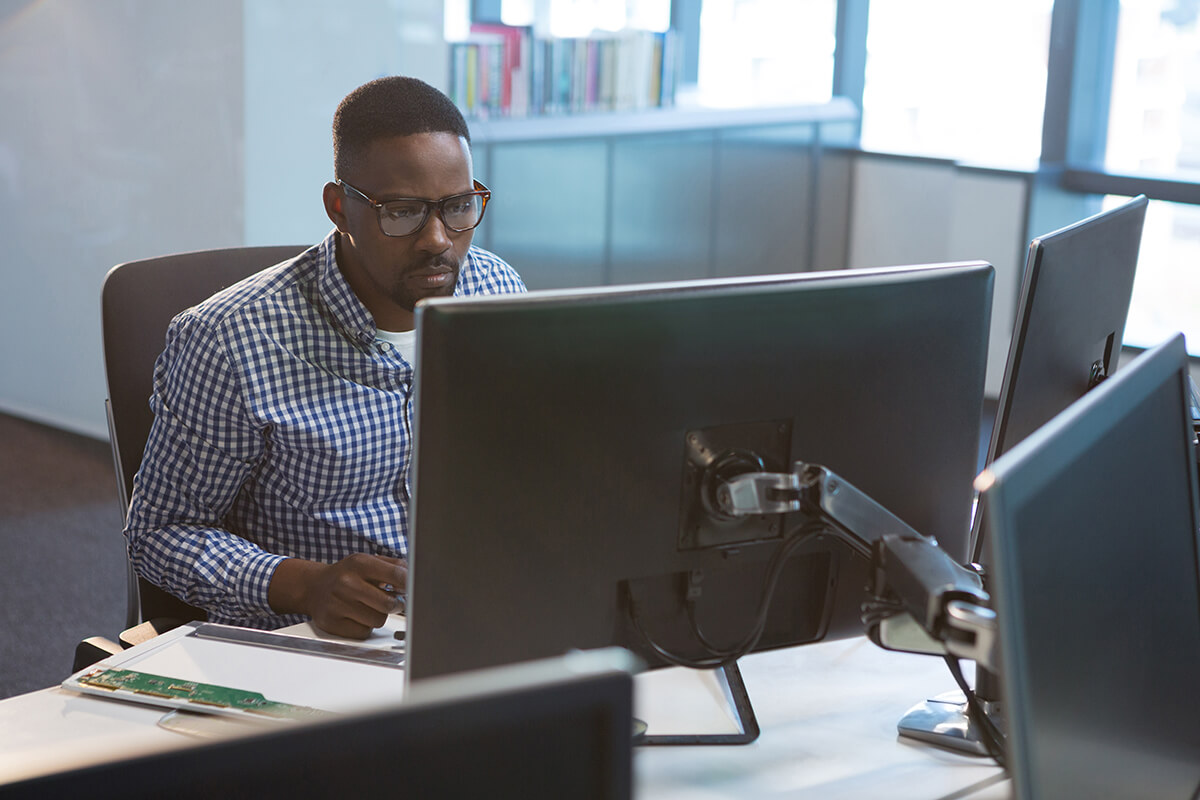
62	556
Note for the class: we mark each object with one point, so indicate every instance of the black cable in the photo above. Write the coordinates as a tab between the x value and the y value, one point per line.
718	656
714	650
667	655
877	609
764	606
991	736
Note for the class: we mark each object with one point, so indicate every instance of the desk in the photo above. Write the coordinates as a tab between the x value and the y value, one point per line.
828	715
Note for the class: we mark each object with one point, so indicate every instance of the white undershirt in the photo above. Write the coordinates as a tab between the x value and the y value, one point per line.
404	341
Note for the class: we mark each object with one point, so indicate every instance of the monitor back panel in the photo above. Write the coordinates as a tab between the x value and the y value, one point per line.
1070	323
552	452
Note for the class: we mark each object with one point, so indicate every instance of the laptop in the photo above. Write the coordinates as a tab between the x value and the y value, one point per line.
1094	520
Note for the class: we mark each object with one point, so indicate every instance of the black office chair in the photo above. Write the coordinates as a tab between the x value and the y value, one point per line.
138	301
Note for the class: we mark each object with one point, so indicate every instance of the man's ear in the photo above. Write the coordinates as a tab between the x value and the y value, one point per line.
334	201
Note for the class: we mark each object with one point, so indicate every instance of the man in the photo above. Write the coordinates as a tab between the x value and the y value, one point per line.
274	485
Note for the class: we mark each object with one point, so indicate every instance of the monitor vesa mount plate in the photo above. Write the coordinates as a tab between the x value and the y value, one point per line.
714	455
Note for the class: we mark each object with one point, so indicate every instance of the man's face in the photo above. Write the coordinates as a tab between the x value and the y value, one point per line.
391	273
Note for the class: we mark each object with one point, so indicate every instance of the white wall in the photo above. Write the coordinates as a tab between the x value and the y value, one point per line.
302	57
125	131
120	138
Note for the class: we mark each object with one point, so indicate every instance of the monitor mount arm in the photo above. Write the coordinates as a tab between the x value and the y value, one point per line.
920	599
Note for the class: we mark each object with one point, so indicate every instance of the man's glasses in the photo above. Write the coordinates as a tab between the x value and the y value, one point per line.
407	215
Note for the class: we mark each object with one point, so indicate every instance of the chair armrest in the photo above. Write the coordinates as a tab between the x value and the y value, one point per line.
93	649
147	630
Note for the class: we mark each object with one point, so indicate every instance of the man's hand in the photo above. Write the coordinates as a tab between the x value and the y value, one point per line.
349	598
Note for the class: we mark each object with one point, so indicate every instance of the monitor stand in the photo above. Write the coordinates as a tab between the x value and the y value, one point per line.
945	720
741	706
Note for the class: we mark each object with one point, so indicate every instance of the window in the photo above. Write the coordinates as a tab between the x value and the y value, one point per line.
957	80
766	52
1166	290
569	18
1154	131
1154	116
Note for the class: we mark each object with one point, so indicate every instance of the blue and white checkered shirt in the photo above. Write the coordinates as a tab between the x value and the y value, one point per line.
282	428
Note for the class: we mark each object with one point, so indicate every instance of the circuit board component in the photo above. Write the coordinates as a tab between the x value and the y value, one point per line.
204	696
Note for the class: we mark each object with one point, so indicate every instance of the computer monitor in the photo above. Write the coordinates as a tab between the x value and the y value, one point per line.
552	728
1070	324
1093	521
561	438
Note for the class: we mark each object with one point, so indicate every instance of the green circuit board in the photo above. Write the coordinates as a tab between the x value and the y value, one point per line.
205	696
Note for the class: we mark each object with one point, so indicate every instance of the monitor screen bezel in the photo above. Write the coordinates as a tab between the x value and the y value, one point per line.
1015	481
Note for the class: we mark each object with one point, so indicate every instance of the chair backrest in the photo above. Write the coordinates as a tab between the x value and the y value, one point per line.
138	301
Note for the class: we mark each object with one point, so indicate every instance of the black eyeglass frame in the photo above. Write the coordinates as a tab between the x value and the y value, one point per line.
439	206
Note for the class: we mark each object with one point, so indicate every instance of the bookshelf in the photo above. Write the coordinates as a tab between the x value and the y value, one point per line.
502	71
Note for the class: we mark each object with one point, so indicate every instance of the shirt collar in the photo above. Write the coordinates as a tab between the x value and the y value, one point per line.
344	307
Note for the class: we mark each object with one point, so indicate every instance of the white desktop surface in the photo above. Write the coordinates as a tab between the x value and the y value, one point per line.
828	715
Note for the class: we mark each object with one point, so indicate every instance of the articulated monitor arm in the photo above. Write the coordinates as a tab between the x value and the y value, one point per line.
920	599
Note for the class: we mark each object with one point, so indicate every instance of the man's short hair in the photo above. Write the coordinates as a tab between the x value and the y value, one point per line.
392	106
